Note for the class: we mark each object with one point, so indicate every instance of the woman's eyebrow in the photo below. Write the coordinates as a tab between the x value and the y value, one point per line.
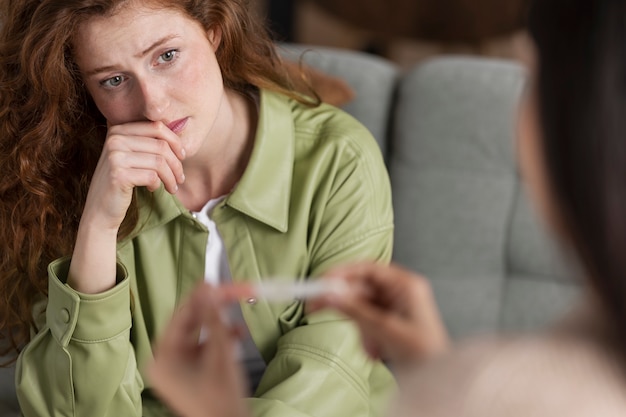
143	53
156	45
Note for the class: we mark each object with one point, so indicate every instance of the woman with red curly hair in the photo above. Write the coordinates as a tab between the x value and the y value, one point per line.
147	145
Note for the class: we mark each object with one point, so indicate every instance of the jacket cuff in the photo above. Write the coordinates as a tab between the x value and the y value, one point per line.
86	318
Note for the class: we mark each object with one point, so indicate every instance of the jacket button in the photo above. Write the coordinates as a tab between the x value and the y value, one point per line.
64	315
251	301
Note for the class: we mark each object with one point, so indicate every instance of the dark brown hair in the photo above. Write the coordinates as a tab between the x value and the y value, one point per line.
51	134
581	81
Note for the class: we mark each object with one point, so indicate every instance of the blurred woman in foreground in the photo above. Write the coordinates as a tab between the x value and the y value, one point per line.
572	151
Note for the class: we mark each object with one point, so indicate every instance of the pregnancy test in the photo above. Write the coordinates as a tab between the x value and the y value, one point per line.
275	290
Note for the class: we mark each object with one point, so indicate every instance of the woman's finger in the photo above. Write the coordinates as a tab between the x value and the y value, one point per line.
142	169
208	304
180	335
156	153
154	130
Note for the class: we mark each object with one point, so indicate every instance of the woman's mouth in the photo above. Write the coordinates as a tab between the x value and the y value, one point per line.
177	126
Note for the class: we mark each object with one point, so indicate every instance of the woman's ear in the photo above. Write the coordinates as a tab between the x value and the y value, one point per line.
215	37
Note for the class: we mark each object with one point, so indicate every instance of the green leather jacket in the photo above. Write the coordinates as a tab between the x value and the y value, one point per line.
315	194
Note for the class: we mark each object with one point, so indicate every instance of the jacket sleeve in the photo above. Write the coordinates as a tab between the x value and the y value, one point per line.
320	367
81	363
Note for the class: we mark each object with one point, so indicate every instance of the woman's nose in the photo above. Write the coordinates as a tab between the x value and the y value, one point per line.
155	100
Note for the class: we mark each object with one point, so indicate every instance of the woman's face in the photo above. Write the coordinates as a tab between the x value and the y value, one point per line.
150	64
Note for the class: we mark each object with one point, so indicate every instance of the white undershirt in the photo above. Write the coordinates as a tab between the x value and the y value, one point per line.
217	271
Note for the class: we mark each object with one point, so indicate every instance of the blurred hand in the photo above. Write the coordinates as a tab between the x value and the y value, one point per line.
394	309
200	379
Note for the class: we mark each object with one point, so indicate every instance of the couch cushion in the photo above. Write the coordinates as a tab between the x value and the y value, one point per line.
462	216
8	400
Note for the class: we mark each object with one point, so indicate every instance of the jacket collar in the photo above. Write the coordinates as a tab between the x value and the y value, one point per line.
264	191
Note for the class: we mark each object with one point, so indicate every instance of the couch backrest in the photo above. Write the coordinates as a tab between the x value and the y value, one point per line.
462	215
447	130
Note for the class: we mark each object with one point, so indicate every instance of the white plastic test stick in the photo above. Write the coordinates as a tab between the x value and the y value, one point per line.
288	290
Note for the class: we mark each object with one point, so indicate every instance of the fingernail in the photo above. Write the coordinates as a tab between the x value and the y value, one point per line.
182	178
184	152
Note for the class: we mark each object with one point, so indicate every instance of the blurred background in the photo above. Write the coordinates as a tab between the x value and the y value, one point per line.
404	31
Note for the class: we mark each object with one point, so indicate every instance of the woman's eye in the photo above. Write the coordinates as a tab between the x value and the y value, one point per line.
168	56
113	81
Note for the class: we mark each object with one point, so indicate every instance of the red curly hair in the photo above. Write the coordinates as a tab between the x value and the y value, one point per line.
51	133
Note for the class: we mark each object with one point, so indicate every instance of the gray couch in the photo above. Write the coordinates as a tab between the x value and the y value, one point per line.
446	129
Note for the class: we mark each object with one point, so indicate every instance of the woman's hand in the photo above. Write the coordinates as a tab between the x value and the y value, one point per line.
394	309
200	379
134	154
